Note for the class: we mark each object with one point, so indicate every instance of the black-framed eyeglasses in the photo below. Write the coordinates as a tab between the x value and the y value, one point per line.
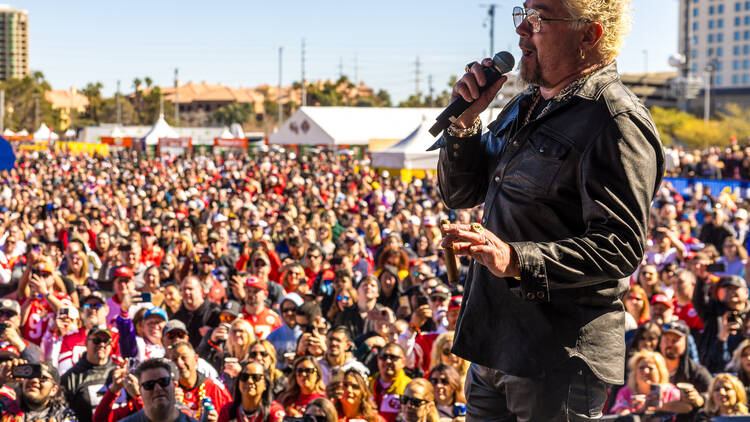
304	371
7	314
163	383
413	402
94	306
100	340
440	380
389	356
535	20
288	310
257	355
244	377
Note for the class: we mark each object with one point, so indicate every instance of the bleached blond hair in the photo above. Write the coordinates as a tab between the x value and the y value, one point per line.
612	15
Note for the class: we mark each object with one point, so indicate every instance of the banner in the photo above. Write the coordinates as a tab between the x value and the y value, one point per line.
117	142
175	146
230	143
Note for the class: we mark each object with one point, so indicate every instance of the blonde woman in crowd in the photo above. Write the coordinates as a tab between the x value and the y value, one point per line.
726	397
647	368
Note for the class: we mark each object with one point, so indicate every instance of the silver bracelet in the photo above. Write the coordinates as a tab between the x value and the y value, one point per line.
458	132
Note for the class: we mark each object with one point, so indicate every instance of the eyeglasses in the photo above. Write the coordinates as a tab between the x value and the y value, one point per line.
289	310
260	263
244	377
305	371
535	21
99	340
413	402
7	314
226	317
94	306
441	380
175	334
256	355
388	356
42	274
163	383
343	298
314	256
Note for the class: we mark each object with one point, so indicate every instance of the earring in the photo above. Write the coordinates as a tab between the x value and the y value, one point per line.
582	54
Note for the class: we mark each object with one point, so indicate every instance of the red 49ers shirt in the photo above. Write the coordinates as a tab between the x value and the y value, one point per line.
39	316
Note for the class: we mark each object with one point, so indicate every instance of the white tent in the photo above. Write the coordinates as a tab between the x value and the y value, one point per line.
411	152
160	129
348	125
8	132
44	133
226	134
70	133
333	126
116	132
23	132
236	130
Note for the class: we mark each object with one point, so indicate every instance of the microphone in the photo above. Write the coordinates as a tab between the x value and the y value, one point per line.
450	260
502	63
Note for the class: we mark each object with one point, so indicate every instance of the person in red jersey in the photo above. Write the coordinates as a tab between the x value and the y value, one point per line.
253	399
192	386
263	319
93	312
11	341
39	300
151	253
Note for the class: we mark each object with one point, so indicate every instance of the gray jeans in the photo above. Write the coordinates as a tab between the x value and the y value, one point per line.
568	393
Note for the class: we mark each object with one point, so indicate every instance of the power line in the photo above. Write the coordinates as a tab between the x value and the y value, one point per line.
432	91
416	77
176	97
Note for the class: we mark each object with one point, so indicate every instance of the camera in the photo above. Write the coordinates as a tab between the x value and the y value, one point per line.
27	370
734	317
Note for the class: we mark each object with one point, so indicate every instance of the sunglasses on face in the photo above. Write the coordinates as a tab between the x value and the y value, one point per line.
305	371
7	314
342	298
163	383
42	274
94	306
441	380
244	377
99	340
288	310
389	356
313	256
257	355
411	401
226	318
175	334
260	263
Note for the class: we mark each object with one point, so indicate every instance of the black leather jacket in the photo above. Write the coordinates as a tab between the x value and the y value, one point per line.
570	192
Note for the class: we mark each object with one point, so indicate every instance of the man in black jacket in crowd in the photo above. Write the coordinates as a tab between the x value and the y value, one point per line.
85	382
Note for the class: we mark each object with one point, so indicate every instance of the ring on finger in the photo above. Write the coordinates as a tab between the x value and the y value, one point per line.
469	66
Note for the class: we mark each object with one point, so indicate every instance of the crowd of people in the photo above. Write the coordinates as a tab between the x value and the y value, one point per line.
225	287
730	163
259	288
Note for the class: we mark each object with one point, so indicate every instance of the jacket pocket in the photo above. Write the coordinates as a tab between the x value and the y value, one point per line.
535	167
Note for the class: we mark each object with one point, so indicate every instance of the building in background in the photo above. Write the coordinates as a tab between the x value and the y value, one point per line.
14	42
715	39
68	102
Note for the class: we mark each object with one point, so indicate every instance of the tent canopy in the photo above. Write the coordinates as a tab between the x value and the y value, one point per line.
44	133
411	152
160	129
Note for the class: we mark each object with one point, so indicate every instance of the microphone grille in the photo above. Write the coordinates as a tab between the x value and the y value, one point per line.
504	61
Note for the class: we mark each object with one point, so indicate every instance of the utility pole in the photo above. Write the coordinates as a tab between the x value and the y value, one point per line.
416	77
176	97
36	111
341	67
491	18
429	84
356	70
302	79
281	111
119	106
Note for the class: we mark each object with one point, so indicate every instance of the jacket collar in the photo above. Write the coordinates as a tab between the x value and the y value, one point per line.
593	87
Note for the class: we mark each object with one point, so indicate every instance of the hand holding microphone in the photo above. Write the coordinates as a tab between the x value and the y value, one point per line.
474	91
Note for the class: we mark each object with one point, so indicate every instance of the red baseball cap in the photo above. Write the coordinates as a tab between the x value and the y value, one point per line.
147	230
455	303
663	299
254	281
122	271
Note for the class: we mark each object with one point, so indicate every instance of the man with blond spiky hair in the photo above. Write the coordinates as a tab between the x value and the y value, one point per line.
566	174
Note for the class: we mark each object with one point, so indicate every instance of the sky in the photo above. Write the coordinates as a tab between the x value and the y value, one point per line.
236	42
